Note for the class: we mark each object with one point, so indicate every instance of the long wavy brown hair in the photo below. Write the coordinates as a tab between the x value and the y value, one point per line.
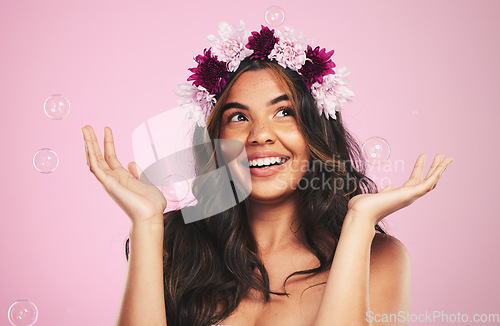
211	264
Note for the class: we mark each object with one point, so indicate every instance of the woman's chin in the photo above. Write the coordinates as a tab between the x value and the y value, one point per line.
270	195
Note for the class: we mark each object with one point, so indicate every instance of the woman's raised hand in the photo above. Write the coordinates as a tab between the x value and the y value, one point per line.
390	199
143	203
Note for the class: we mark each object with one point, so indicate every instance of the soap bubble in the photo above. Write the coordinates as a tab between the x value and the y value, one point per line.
56	106
175	187
45	160
275	16
376	150
23	313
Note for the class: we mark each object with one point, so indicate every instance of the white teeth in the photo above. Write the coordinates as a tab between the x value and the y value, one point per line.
266	161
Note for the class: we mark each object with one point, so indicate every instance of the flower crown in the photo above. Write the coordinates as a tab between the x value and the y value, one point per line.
327	85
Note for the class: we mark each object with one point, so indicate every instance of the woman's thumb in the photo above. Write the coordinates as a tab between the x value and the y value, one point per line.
136	171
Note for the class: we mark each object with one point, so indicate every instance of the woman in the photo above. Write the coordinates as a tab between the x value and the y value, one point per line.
296	251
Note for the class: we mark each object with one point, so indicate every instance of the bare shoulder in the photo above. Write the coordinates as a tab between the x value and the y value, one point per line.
387	249
390	274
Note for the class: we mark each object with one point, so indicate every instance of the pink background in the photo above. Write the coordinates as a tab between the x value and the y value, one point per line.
426	77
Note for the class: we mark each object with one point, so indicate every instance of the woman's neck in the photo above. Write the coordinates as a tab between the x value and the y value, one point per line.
271	225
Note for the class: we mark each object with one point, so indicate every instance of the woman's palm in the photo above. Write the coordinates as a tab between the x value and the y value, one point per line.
391	199
139	200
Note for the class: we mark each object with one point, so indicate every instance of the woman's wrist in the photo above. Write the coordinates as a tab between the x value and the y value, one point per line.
361	224
150	225
146	238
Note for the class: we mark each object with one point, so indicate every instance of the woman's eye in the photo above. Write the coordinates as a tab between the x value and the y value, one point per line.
236	117
285	112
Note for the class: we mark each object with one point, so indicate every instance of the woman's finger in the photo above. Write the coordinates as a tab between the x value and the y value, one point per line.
97	150
136	171
86	153
432	179
437	160
85	140
109	149
94	165
416	174
94	149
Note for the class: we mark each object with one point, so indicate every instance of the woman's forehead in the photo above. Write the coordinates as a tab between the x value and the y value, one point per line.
256	85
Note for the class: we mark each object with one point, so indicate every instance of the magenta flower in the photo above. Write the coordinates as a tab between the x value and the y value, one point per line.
318	64
262	43
210	73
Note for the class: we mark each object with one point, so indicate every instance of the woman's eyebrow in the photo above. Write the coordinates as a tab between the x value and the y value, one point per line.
237	105
280	98
234	105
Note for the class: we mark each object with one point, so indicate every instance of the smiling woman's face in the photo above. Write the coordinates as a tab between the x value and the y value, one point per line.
259	114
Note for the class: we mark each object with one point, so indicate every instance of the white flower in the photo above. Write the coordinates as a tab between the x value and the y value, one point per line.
230	45
289	52
333	92
197	100
290	33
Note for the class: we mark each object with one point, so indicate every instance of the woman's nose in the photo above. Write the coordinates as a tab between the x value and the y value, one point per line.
261	133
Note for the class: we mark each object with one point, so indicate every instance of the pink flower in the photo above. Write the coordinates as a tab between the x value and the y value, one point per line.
332	92
197	100
288	51
230	45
